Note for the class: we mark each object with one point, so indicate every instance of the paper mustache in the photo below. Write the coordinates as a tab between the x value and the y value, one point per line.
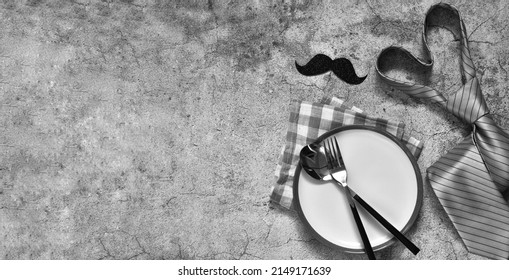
321	64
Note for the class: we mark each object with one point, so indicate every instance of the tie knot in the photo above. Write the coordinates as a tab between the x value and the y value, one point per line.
493	144
468	103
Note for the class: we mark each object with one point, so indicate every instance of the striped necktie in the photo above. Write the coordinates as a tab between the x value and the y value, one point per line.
471	181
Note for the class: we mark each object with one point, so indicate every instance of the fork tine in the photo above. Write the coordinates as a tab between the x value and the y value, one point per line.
339	156
327	154
332	157
333	153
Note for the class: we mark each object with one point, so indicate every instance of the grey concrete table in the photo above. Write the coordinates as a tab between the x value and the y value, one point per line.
145	130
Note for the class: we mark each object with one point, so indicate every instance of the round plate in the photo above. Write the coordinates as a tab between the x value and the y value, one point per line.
381	170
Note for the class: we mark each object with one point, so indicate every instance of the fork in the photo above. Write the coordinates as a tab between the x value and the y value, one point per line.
338	172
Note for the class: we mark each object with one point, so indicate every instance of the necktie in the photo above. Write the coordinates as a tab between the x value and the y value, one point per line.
471	181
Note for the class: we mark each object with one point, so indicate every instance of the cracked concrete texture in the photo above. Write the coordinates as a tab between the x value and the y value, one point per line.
151	129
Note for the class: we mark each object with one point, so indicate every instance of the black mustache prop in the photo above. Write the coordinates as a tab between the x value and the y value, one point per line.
341	67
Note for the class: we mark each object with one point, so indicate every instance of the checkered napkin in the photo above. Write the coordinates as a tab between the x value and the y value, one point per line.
310	120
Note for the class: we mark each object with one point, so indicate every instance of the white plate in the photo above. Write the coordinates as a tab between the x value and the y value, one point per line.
382	171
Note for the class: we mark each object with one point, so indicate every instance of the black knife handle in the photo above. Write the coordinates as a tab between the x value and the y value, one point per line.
362	231
388	225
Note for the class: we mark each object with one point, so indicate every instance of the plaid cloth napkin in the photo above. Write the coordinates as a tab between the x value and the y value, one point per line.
310	120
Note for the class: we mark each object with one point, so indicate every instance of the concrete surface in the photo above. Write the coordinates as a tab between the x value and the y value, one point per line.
151	129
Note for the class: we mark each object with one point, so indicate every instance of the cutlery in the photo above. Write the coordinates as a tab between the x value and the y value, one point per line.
314	161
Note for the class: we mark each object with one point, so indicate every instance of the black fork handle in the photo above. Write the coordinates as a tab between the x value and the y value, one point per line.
388	225
362	231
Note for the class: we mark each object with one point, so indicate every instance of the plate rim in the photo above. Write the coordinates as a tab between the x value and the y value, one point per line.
415	212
